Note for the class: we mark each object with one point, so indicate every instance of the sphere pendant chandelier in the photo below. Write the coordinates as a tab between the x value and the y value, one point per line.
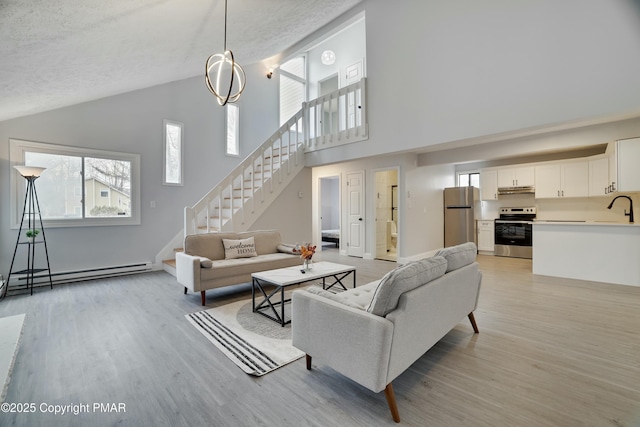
224	77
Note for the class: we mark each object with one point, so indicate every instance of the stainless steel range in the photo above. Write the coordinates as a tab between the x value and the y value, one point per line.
514	232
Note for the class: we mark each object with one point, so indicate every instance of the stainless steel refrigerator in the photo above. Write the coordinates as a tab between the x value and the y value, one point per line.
459	215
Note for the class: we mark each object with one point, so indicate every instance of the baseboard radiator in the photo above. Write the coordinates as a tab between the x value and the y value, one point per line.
19	283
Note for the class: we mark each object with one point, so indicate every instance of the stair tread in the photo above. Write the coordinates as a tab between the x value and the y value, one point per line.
170	262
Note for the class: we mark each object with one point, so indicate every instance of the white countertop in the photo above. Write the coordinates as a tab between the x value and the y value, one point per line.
587	222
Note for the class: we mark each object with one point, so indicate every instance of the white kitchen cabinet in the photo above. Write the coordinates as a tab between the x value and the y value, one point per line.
485	235
547	181
599	182
569	179
489	184
523	176
575	179
628	154
613	167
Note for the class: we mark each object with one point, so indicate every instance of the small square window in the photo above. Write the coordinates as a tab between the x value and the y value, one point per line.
104	193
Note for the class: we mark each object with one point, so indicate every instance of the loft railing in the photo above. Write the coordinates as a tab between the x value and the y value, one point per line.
337	118
241	197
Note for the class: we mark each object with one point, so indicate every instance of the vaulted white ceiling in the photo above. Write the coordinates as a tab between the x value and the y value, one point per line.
62	52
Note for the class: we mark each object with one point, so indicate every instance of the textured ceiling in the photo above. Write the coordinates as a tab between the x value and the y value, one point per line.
62	52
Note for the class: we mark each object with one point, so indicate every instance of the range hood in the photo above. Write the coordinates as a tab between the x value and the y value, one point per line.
502	191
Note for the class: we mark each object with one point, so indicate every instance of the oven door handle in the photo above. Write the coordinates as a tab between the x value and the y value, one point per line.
506	221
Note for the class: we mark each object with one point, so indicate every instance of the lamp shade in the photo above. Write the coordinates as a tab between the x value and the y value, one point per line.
29	171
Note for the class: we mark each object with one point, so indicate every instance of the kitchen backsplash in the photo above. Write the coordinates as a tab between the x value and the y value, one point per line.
579	208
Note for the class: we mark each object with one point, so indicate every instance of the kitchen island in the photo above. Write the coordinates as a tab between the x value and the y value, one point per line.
598	251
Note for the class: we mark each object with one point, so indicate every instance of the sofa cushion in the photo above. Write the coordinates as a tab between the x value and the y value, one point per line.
359	297
207	245
241	248
459	255
267	241
403	279
222	269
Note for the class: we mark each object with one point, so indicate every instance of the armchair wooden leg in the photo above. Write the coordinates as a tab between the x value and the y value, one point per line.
202	297
472	319
185	290
391	401
308	362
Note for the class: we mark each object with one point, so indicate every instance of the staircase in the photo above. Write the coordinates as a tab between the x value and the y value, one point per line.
244	195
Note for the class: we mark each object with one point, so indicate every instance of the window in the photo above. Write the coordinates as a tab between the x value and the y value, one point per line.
233	130
293	87
466	179
172	153
79	187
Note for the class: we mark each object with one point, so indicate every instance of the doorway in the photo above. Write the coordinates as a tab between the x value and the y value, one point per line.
387	215
330	212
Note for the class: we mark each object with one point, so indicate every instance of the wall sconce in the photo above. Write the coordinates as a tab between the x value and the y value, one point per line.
270	73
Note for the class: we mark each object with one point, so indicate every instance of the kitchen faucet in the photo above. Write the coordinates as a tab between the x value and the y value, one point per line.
630	213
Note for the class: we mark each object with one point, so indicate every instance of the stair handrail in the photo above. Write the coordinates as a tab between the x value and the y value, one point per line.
192	213
308	138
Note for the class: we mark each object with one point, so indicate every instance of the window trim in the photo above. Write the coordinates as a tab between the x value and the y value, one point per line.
165	123
18	147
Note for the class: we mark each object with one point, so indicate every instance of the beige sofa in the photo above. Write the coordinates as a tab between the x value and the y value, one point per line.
203	266
373	333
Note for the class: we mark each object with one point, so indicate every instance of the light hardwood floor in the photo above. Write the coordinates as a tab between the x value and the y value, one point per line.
550	352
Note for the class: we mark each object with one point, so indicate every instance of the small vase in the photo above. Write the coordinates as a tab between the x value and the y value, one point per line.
308	264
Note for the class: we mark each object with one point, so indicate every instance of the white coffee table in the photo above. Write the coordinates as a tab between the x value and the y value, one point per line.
283	277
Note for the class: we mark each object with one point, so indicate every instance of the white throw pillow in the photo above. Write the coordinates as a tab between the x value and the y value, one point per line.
243	248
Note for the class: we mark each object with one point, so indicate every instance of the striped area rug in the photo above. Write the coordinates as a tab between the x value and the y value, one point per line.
256	344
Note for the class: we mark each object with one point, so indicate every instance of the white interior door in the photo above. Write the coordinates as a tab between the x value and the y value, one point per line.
355	212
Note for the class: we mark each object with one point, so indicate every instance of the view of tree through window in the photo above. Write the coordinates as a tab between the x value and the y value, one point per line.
58	193
114	176
172	153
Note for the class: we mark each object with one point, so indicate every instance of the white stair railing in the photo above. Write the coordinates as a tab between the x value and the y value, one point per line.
337	118
241	197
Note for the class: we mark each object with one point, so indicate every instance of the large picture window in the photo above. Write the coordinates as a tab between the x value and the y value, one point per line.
79	187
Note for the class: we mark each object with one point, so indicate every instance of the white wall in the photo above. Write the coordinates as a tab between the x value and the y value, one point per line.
426	191
132	122
424	208
443	71
438	71
349	47
290	213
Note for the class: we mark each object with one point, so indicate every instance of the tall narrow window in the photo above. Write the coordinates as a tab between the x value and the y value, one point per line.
233	130
173	153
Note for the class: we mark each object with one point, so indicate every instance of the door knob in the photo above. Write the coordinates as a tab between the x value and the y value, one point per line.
359	219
